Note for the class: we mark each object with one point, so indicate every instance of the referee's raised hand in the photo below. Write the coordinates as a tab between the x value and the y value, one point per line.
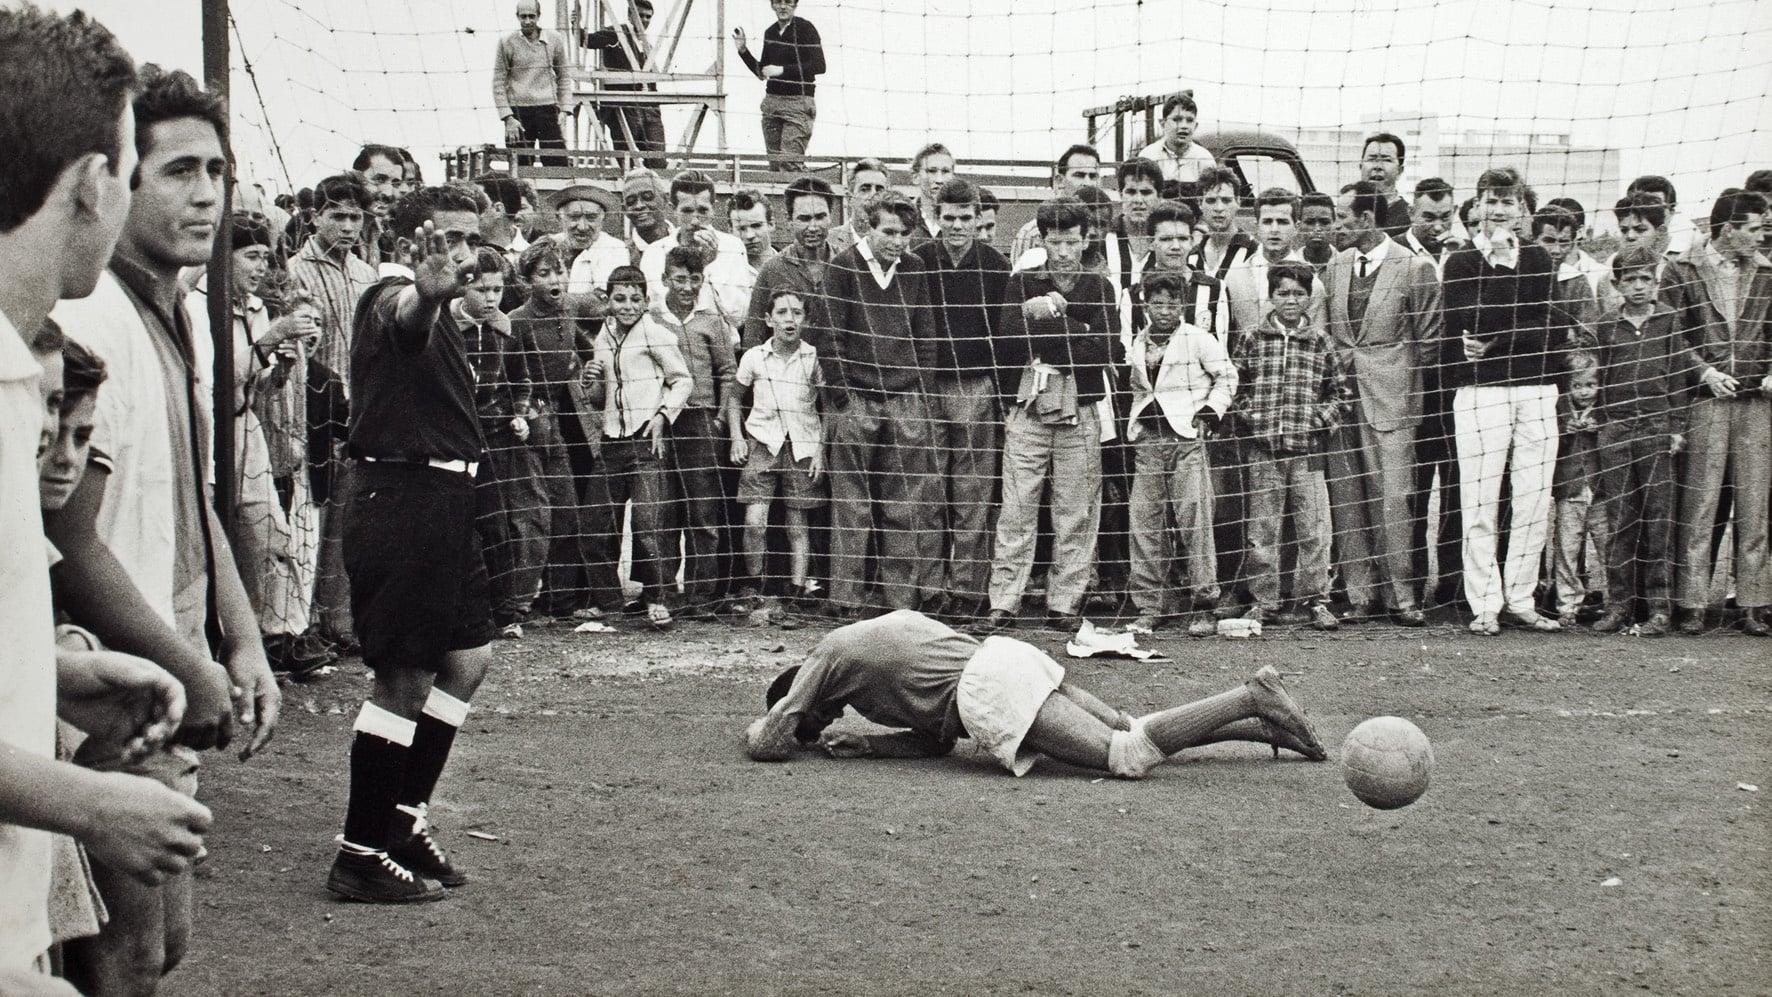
442	263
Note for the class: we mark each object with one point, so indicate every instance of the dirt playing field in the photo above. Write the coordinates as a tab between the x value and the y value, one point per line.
1588	830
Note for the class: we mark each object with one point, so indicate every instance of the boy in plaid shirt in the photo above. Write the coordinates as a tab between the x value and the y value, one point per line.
1289	403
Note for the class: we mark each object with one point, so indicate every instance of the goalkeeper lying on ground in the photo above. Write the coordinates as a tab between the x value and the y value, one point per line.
906	670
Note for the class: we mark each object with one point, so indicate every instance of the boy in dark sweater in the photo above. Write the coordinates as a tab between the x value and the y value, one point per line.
580	578
877	354
1501	356
966	280
1645	370
792	59
1057	329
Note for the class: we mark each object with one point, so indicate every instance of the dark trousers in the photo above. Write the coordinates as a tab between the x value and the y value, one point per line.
541	129
879	467
698	503
585	539
966	428
635	129
634	474
512	513
1637	486
1229	467
1435	456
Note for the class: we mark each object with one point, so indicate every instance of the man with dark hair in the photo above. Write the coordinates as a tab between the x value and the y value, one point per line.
532	83
1077	167
1502	355
65	116
1276	238
1730	426
498	228
1316	230
1384	324
1141	189
752	223
329	269
966	281
1225	244
1381	163
1598	274
800	267
1175	151
1431	215
1557	231
1682	235
1056	330
418	577
728	279
986	229
868	179
878	357
790	64
631	127
382	170
140	533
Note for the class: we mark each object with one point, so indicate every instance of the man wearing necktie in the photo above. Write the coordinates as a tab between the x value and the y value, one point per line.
1384	310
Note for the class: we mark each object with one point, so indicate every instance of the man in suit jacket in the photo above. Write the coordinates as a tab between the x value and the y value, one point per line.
1384	311
1731	423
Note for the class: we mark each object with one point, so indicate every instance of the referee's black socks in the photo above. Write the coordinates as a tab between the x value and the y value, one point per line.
432	740
379	760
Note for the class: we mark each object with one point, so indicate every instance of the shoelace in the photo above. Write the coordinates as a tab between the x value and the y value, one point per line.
399	871
421	829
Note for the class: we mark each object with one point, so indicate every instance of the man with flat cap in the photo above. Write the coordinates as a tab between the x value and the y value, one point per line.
590	252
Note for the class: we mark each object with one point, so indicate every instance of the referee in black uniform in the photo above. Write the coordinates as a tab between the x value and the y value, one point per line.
418	582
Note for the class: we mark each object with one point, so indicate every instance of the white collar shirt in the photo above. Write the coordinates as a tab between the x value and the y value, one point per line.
27	658
1501	250
882	276
784	398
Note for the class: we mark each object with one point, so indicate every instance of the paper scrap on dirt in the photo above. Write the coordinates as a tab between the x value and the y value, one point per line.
1093	643
482	835
593	627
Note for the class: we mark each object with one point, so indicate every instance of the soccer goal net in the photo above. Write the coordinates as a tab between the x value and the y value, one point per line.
1402	313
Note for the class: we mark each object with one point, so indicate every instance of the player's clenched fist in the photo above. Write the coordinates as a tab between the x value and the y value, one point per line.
144	829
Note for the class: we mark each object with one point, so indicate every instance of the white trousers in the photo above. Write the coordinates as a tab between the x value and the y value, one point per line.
1506	430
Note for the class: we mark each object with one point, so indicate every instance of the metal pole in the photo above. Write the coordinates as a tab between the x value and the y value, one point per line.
220	280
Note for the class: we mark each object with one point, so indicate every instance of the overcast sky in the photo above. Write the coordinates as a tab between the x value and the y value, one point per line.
1681	86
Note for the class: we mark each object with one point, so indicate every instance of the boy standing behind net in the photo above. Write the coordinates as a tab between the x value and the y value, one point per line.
784	451
1645	368
1182	385
1580	512
1290	402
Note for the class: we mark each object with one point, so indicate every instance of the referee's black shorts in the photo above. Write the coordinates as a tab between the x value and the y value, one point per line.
418	576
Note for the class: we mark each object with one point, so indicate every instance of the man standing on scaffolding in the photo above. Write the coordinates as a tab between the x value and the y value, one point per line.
632	128
532	84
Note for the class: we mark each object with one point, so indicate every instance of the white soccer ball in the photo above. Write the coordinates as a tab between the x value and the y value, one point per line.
1386	761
